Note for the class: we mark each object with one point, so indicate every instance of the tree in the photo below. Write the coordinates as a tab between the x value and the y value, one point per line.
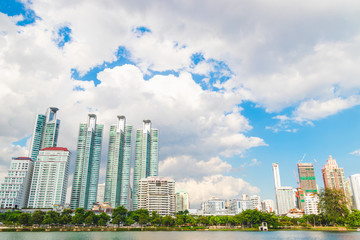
119	215
79	216
37	217
51	217
353	218
103	219
65	217
168	221
155	218
24	218
333	204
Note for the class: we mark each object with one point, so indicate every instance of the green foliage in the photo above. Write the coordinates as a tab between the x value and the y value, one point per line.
168	221
333	204
79	216
119	215
103	219
51	218
37	217
353	219
24	219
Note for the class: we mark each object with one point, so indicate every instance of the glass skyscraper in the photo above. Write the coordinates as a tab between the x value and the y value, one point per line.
87	164
146	157
46	131
117	182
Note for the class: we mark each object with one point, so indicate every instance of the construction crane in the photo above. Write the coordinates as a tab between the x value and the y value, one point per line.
317	163
297	179
302	159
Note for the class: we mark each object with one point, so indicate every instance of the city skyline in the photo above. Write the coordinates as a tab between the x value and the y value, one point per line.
232	88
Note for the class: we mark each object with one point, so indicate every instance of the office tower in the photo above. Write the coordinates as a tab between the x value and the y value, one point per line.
256	202
311	204
118	165
50	178
355	187
46	131
146	157
87	164
285	199
100	193
275	167
157	194
182	200
333	175
14	191
239	205
214	206
307	177
268	205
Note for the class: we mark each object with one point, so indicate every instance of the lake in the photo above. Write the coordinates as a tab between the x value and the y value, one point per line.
203	235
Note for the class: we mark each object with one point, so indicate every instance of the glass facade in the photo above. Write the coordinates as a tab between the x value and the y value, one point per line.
117	182
87	164
146	156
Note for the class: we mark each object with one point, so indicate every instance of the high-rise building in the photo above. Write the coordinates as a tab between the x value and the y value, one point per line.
100	193
118	165
50	178
14	191
146	157
333	175
285	199
239	205
157	194
87	164
268	205
214	206
256	202
276	172
307	177
355	187
46	131
182	200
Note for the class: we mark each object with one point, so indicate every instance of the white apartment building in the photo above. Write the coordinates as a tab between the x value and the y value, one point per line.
14	191
268	205
311	204
239	205
50	178
213	206
256	202
285	198
157	194
182	200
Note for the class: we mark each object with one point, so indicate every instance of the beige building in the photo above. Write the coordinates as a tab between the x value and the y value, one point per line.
333	175
182	200
157	194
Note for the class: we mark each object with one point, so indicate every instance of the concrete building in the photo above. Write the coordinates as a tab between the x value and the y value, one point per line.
276	173
14	190
50	178
87	164
333	175
146	157
238	205
45	133
307	182
256	202
311	204
213	206
117	181
100	193
245	197
182	200
157	194
268	205
355	187
285	198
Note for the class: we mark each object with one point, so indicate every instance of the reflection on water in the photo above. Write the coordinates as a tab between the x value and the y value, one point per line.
203	235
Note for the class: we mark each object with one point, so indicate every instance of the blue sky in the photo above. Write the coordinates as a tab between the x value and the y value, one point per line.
231	91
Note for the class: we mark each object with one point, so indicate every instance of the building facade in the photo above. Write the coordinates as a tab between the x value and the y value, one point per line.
311	204
146	157
117	181
256	202
239	205
87	164
268	205
50	178
14	191
355	187
46	131
182	200
286	200
157	194
307	183
333	175
214	206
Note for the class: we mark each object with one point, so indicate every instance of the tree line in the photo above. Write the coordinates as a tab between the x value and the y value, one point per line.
333	207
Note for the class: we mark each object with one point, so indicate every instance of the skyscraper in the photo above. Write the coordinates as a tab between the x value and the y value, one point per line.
118	165
87	164
50	178
157	194
146	156
355	187
46	131
275	167
14	191
333	175
307	177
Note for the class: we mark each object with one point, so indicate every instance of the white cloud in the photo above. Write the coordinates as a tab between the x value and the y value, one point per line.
356	152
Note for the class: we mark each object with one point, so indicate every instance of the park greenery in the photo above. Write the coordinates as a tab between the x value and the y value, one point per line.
333	206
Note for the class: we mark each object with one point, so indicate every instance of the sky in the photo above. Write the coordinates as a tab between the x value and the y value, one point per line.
233	86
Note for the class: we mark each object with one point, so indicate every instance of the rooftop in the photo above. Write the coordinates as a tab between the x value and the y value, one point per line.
55	149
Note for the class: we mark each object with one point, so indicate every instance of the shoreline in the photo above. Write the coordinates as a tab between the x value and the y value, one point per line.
176	229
